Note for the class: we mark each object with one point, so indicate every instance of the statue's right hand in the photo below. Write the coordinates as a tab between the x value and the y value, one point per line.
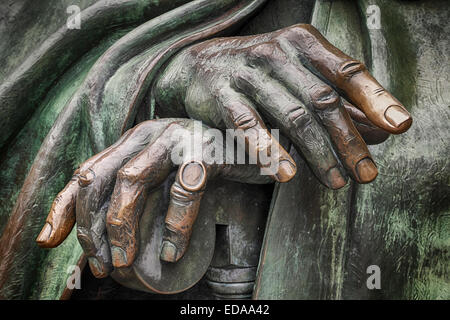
323	100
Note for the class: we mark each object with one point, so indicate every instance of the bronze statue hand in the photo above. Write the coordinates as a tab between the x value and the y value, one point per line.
295	78
107	193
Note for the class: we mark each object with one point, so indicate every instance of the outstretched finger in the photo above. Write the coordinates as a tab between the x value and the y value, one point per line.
350	77
321	99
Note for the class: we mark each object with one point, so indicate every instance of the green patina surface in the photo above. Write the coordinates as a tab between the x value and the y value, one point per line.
45	103
18	160
399	222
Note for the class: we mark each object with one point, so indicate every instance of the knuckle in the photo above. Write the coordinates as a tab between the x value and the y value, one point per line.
324	97
350	68
245	121
182	196
128	174
298	118
296	32
380	91
241	75
221	93
76	173
262	49
122	212
241	79
86	177
264	53
113	221
177	231
86	242
177	192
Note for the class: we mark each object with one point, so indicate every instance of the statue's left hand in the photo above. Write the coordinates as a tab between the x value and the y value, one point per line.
107	193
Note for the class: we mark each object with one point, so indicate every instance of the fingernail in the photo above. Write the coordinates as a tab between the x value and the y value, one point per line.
96	268
286	171
335	179
397	116
44	236
119	257
366	170
168	252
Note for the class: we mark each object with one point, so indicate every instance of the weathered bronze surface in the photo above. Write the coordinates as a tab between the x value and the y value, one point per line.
109	192
78	118
280	75
269	71
156	226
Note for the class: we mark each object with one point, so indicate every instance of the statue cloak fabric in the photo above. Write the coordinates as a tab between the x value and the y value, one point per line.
68	94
